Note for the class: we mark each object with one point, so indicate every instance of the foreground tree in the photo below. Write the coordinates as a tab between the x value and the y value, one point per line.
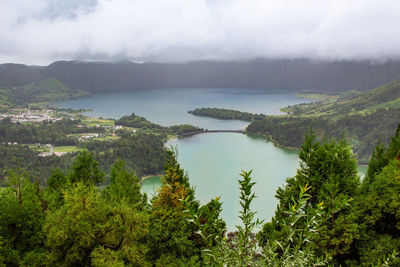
378	206
76	222
379	215
88	226
124	186
21	221
86	170
330	170
173	238
241	248
87	229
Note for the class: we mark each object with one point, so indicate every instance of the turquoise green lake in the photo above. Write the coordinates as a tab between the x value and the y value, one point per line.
218	172
213	161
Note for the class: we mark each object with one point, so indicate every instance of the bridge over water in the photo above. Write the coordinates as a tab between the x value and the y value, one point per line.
211	131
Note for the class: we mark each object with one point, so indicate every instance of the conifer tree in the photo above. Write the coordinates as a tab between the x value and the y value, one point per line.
21	220
172	237
378	204
330	170
123	186
86	169
377	162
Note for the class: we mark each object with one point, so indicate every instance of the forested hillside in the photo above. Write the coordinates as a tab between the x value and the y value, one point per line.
383	97
364	118
272	74
27	145
45	90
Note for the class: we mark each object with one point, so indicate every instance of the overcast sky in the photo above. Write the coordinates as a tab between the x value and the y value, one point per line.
42	31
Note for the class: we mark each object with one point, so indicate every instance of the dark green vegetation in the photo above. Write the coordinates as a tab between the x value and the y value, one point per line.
226	114
89	211
325	216
21	144
277	74
135	121
46	90
365	118
359	221
38	168
143	153
57	133
71	222
140	144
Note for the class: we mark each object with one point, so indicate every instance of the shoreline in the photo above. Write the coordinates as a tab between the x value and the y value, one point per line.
269	138
171	138
150	176
276	143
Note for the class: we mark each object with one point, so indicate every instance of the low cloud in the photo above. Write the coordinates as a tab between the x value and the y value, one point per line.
181	30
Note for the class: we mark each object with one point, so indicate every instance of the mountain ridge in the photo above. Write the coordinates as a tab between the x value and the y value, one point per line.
278	74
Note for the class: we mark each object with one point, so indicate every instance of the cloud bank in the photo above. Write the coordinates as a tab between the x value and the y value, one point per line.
42	31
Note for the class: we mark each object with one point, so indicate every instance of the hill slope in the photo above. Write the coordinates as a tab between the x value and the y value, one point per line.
278	74
386	96
364	118
48	89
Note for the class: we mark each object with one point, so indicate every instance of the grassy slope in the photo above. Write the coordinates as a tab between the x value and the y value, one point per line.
364	118
387	96
49	89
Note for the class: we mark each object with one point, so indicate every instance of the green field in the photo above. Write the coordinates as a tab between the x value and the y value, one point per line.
318	96
65	149
96	121
39	148
106	138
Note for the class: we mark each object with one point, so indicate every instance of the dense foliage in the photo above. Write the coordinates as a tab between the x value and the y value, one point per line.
57	133
136	122
73	222
143	153
142	149
142	123
38	168
325	216
226	114
359	221
330	171
365	119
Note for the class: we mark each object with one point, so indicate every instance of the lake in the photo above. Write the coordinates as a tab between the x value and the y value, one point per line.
170	106
213	160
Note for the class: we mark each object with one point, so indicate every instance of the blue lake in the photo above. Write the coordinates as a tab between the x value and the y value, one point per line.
170	106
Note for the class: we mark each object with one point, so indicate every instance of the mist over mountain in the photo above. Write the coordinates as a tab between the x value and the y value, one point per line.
187	30
279	74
